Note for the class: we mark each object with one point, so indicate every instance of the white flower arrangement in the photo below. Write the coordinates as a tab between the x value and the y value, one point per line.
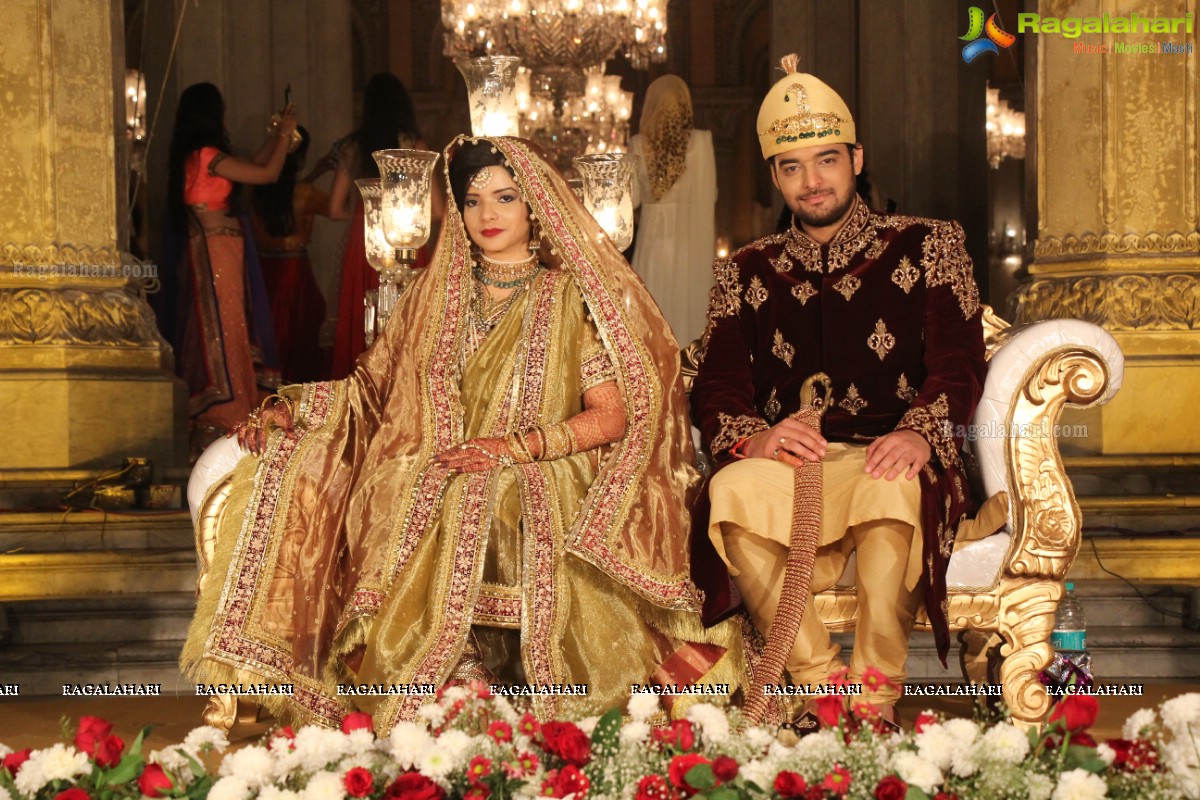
485	749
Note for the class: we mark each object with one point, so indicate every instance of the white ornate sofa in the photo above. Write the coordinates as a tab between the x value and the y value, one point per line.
1003	589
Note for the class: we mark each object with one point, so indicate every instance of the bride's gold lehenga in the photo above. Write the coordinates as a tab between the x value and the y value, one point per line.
571	571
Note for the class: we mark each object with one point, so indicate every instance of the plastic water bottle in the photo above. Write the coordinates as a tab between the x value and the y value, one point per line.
1072	664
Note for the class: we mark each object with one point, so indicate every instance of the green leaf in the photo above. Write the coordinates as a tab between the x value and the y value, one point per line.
197	767
608	729
915	794
724	793
129	768
135	749
701	777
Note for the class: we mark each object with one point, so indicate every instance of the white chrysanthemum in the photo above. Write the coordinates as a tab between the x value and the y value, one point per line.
1106	754
965	762
760	773
1079	784
1038	786
1180	712
634	732
324	786
642	706
759	738
824	745
410	743
4	793
588	724
432	713
364	760
916	770
4	749
1178	754
963	730
316	747
206	737
57	763
360	741
1004	743
711	720
231	787
456	745
436	764
254	765
1140	720
941	744
277	793
172	760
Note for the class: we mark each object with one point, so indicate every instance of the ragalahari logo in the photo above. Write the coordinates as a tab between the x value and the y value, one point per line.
997	37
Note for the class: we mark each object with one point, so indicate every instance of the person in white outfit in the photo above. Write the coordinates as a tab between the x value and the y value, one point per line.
676	187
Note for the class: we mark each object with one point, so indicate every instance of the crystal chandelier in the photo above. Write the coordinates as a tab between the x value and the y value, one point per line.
1005	130
569	106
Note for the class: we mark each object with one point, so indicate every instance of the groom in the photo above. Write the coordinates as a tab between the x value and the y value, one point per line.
886	307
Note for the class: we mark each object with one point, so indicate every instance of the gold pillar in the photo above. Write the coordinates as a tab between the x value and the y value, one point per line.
85	378
1118	235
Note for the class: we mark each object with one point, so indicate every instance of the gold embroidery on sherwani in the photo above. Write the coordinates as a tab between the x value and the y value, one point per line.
876	248
803	249
732	430
903	390
933	422
725	296
847	285
944	257
782	350
853	402
772	408
905	275
781	263
881	341
803	291
757	294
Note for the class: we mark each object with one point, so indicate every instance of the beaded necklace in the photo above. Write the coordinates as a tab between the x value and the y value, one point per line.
505	274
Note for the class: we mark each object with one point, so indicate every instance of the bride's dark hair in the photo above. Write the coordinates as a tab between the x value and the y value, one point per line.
470	158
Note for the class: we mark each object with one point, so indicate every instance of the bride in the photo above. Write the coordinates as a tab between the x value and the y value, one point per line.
498	491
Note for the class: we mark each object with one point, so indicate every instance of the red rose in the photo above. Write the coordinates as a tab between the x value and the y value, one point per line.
414	786
653	787
357	721
830	710
91	730
680	766
567	741
1083	738
358	782
891	788
13	761
1077	712
790	784
570	780
1133	754
725	769
74	793
108	751
678	734
154	780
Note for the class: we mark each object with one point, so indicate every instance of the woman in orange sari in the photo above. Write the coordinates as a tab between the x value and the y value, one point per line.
499	489
224	347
